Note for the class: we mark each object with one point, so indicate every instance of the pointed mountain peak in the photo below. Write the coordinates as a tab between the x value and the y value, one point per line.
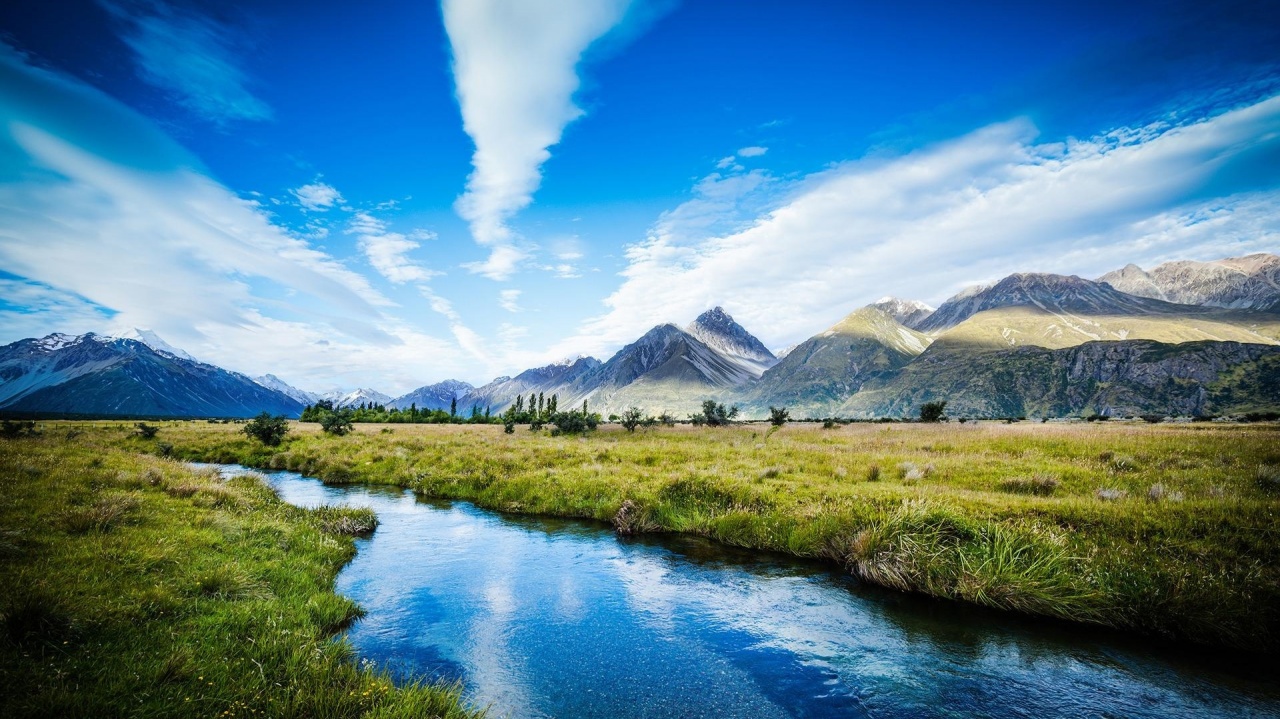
155	342
716	329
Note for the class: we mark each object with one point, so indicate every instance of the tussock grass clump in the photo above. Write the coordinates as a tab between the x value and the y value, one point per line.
106	513
229	583
1041	485
349	521
1267	478
35	617
1111	495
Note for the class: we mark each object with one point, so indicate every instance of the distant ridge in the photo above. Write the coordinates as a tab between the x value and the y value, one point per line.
1249	282
991	349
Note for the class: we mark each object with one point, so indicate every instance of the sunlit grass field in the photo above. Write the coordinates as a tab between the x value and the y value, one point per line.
135	586
1169	530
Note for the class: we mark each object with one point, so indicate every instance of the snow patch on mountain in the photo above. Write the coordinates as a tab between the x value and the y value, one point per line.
273	382
155	342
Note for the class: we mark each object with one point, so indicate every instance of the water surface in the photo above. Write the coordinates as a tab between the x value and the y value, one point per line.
560	618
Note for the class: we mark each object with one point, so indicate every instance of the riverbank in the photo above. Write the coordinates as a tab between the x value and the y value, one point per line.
1167	530
133	585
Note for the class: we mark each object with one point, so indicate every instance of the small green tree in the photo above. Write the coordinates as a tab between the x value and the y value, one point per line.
337	423
453	407
267	429
778	416
632	418
932	411
715	415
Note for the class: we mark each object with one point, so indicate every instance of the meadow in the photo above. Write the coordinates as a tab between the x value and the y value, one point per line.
132	585
1169	530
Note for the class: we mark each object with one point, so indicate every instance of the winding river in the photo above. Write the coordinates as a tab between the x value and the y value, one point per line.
558	618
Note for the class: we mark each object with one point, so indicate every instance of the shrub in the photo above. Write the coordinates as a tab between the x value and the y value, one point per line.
509	426
828	424
778	416
267	429
12	430
574	422
714	415
873	473
632	418
337	423
146	431
932	411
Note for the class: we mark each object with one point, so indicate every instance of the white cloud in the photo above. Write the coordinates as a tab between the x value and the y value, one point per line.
192	57
509	300
925	224
515	69
97	245
566	271
727	162
753	151
317	196
388	252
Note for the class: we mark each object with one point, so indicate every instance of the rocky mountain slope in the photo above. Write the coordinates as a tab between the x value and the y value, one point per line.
1250	282
831	366
117	377
1121	378
273	382
551	379
718	331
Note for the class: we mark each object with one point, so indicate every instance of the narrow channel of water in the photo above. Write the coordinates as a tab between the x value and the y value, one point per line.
560	618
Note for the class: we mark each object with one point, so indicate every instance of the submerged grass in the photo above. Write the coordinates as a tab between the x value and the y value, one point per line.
1168	530
132	585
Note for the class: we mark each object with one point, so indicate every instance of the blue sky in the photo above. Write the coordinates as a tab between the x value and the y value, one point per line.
397	194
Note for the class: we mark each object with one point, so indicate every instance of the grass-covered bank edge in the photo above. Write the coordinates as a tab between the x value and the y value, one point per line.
132	585
1203	570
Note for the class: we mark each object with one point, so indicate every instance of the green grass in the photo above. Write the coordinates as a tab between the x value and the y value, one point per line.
132	585
1166	530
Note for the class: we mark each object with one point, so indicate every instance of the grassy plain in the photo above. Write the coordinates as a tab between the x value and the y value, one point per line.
131	585
1169	530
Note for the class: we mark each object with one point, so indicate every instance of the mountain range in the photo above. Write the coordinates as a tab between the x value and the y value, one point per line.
1183	338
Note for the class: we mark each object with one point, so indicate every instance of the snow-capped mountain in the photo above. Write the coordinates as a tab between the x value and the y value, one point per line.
153	340
273	382
111	376
433	396
1250	282
718	331
908	313
356	397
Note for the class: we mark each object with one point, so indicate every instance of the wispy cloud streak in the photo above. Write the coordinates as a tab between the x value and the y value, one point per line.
515	69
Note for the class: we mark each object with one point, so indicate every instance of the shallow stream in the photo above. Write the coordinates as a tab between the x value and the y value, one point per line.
560	618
